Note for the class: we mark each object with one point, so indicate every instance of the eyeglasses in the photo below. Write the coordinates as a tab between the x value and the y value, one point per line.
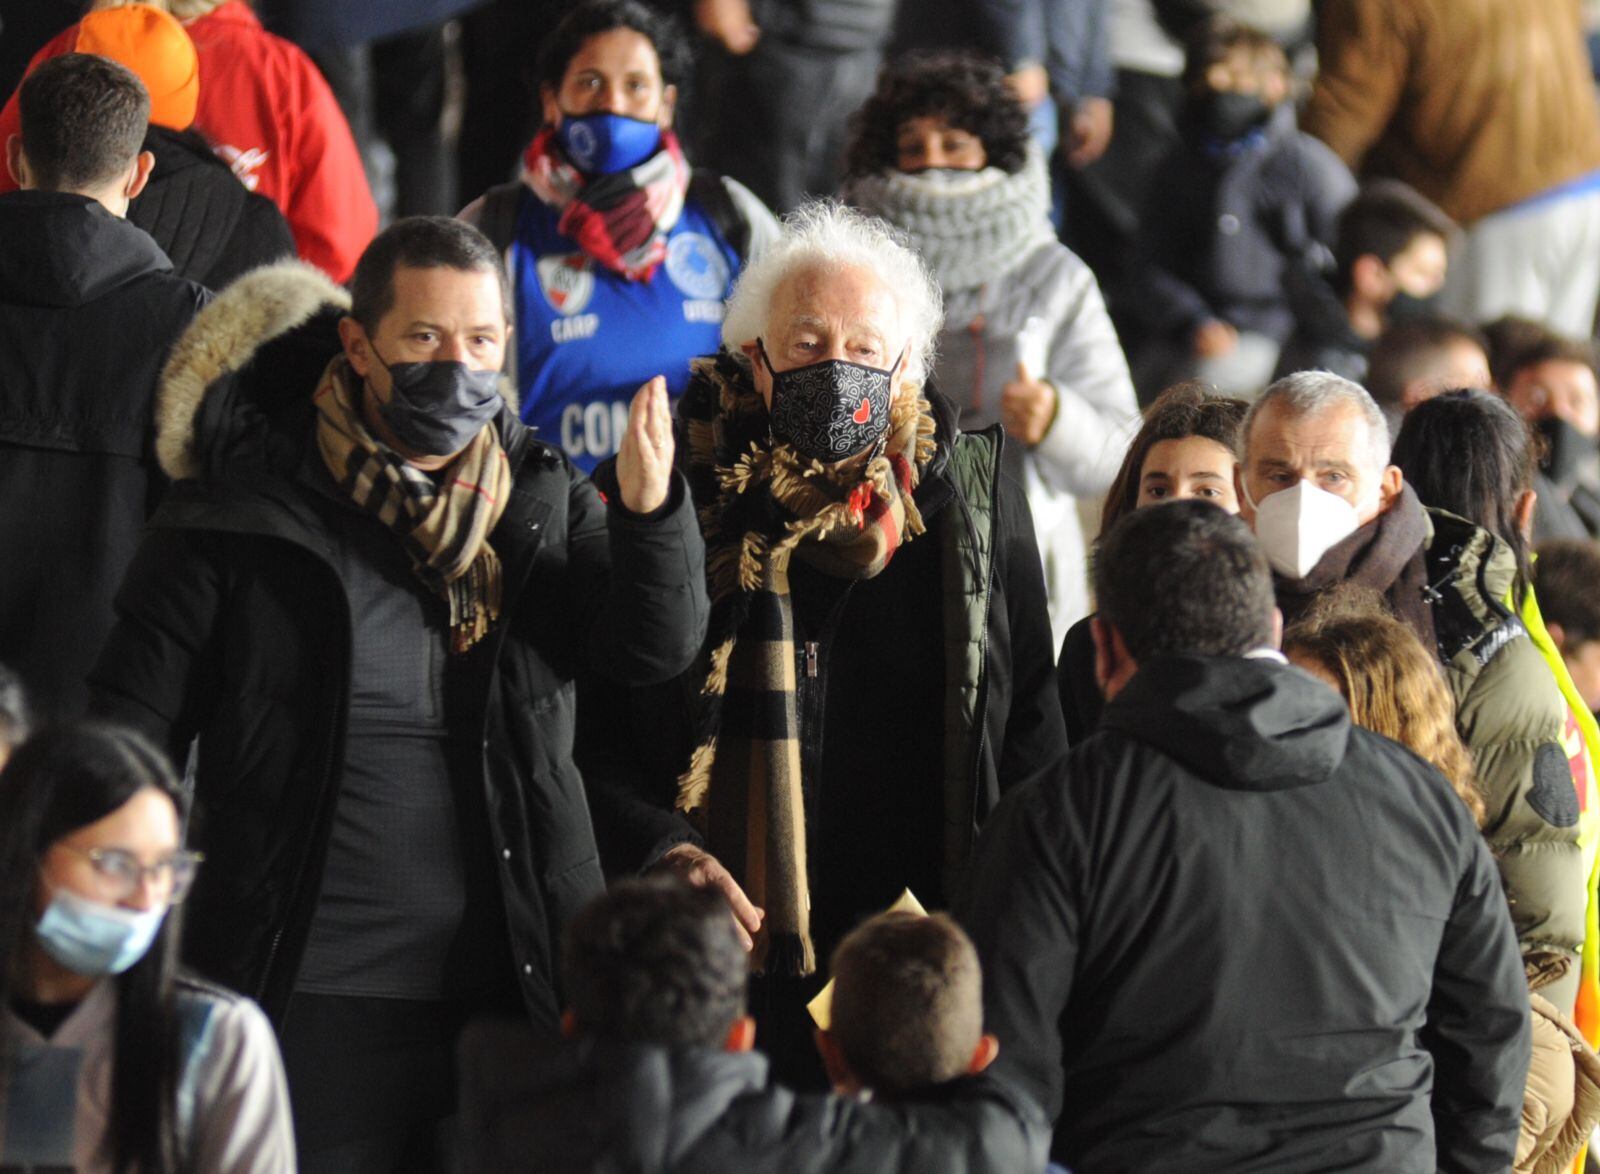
123	873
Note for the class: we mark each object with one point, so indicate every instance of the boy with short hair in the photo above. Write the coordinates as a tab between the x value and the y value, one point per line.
1553	383
1416	360
1390	255
657	1072
1240	209
907	1008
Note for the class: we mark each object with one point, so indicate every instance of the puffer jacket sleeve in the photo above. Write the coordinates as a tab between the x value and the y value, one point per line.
1477	1026
1511	716
973	1125
1028	732
1095	406
638	582
154	671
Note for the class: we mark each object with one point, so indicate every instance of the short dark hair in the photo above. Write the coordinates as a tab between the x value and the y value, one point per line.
1508	338
1407	350
1471	453
1218	37
967	91
1552	348
1565	573
907	1001
1382	221
655	961
1190	408
84	120
594	17
419	242
1184	578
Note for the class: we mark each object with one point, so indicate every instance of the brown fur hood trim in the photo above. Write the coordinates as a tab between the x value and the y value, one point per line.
257	308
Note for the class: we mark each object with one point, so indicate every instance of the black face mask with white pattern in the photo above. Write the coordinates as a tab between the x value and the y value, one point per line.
831	410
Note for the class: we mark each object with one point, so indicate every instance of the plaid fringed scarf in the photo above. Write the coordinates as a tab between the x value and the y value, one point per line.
761	505
443	524
620	220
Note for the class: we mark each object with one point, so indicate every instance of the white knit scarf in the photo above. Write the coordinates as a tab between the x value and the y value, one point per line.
970	226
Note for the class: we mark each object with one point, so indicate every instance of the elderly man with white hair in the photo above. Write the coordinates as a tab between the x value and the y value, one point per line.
878	668
1316	485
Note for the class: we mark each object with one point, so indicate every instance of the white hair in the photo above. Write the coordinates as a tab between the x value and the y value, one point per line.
1305	393
825	234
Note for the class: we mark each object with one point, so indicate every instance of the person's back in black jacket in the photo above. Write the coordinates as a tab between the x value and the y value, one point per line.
1239	933
88	308
212	227
1234	932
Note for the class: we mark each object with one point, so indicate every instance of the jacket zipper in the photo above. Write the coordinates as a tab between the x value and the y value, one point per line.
335	740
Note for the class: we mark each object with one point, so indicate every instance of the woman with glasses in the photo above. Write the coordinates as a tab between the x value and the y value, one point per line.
110	1058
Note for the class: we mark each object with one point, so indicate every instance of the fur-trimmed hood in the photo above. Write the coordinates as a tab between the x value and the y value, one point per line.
235	394
217	354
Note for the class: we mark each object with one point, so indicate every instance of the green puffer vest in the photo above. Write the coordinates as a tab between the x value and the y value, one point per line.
967	567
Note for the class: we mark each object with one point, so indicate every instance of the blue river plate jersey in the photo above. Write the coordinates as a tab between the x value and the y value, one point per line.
587	337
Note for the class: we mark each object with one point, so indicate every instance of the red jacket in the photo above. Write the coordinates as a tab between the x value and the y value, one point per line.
267	111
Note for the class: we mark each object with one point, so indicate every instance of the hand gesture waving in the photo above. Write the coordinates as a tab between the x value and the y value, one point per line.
644	462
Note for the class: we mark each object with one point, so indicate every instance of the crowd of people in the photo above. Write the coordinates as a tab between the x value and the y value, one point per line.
502	690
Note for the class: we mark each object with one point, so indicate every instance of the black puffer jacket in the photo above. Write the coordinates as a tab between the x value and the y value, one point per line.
89	306
597	1105
234	626
1238	933
212	226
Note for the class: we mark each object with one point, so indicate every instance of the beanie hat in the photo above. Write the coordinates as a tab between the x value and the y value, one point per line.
155	47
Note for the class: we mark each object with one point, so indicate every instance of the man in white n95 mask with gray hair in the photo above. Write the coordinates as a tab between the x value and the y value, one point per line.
1316	485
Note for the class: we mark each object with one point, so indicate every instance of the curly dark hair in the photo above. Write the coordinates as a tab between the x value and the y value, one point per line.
968	91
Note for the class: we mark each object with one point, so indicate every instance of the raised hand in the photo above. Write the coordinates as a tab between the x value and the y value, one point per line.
1027	405
644	462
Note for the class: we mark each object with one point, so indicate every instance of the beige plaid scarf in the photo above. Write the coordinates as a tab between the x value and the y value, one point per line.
762	505
443	520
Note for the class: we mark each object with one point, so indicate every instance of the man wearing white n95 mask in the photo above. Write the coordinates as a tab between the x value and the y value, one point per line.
1316	485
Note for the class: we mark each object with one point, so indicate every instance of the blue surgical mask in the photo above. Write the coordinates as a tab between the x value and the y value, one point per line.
602	144
93	939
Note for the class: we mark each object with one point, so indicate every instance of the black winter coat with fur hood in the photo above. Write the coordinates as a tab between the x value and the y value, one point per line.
234	628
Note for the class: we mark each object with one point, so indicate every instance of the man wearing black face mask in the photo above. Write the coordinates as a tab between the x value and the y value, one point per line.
1551	381
367	598
878	668
1390	258
1259	203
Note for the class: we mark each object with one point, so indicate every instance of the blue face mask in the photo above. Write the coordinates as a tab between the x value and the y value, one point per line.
94	940
601	144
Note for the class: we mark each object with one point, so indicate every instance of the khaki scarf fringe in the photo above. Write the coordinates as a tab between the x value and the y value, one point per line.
761	505
443	524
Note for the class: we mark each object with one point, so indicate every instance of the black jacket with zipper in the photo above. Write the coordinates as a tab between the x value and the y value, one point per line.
1238	933
234	628
903	753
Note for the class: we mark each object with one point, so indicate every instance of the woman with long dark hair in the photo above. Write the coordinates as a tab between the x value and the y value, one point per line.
110	1058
